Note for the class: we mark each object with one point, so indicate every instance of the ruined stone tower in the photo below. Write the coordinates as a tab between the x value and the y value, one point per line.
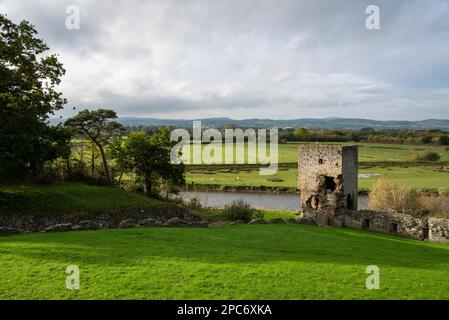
327	180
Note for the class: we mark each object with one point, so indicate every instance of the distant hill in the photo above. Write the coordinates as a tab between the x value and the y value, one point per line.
323	123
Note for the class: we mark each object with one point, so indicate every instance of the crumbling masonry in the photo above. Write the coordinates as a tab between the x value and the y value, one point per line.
327	181
328	184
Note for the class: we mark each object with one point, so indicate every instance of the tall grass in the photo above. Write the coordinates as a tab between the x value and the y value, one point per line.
238	210
391	197
388	196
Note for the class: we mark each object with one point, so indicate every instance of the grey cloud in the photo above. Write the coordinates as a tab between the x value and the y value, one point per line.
251	58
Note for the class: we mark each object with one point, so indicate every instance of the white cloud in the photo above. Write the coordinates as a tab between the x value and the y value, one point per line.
248	58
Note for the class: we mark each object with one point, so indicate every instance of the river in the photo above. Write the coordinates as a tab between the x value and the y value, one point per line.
259	200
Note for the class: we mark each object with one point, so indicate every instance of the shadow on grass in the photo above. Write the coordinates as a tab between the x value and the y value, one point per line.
248	244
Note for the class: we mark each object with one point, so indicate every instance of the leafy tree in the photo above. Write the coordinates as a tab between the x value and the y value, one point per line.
352	136
444	140
172	174
28	81
97	126
426	139
367	130
229	126
302	133
149	159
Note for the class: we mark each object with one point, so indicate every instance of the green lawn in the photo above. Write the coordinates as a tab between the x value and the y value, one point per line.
266	214
232	262
368	152
417	177
68	198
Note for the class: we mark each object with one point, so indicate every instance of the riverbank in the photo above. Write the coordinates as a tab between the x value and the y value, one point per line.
194	187
430	180
225	188
259	200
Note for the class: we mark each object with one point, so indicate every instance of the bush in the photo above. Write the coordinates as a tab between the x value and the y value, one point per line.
46	177
50	173
132	186
238	210
434	206
444	140
194	203
78	171
390	197
426	156
443	191
426	140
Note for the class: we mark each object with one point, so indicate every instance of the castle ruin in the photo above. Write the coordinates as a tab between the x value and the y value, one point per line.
327	181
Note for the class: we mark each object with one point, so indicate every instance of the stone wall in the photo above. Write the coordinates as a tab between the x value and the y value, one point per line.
350	174
165	216
399	224
427	229
438	230
327	181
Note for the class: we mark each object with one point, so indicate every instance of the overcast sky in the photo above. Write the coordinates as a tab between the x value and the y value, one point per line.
249	58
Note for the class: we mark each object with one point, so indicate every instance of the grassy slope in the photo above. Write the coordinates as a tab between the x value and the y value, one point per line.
232	262
68	198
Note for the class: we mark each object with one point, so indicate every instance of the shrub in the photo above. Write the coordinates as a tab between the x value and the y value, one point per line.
194	203
51	172
131	185
444	140
443	191
390	197
238	210
257	214
78	171
426	156
46	177
426	139
434	206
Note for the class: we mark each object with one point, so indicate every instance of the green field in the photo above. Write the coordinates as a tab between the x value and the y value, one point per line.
279	261
391	161
417	177
376	160
272	261
368	152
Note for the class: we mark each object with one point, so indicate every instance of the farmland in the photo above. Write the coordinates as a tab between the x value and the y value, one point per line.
375	161
368	152
418	177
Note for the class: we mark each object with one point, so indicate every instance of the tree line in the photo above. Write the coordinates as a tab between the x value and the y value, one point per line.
430	137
